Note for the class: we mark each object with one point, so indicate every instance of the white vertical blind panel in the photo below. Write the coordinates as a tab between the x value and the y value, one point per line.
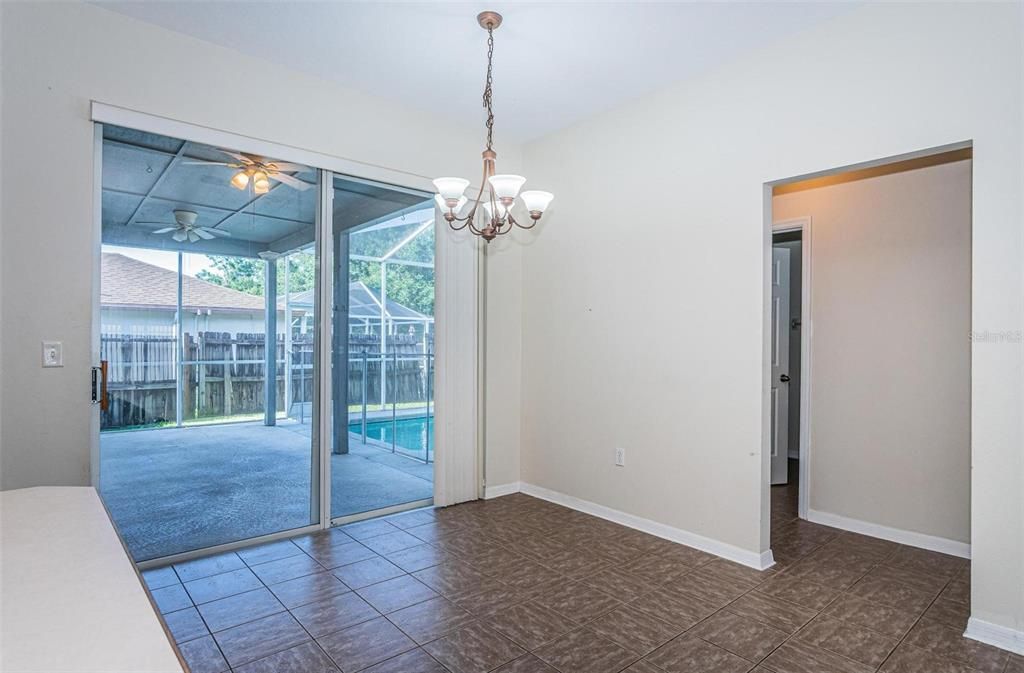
456	343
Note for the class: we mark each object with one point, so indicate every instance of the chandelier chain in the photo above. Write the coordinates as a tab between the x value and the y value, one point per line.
487	89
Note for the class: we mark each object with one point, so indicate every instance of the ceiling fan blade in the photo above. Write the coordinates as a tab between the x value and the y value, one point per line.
203	233
193	237
199	162
159	231
294	183
180	235
286	166
241	157
215	232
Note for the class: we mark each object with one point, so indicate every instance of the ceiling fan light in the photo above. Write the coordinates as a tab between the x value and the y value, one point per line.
180	235
506	187
451	189
536	201
260	182
240	180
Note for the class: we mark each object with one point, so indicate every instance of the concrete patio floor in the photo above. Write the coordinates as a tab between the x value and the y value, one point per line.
179	489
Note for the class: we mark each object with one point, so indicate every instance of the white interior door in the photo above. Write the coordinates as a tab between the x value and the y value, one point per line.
780	365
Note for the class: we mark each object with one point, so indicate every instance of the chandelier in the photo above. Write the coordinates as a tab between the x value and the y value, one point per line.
491	213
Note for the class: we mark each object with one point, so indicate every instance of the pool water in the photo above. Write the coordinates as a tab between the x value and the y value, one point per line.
414	435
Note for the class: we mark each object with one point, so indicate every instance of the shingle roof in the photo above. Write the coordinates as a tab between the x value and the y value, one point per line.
130	282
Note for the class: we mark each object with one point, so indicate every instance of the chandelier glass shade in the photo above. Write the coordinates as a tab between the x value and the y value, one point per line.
490	212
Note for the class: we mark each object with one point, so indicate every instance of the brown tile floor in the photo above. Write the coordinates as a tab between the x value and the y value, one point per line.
519	585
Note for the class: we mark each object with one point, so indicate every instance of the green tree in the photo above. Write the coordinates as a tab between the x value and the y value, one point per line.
411	286
301	273
239	273
246	275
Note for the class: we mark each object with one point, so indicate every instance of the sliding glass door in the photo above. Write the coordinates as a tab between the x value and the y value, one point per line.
381	457
228	419
207	307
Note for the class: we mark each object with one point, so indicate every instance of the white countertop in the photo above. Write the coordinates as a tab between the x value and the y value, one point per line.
70	599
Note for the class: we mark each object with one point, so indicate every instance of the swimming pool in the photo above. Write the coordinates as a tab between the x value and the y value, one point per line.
414	435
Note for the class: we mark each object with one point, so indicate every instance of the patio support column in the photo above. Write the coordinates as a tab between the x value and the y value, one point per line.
270	344
179	389
287	337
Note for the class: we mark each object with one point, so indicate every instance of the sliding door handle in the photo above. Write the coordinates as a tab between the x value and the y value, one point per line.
99	386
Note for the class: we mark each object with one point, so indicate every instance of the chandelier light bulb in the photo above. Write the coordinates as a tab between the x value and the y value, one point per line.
443	205
536	202
451	189
490	215
506	187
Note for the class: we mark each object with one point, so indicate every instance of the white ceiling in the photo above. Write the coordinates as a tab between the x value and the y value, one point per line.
555	62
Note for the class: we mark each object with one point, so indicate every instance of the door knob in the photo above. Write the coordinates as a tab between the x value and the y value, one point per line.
784	378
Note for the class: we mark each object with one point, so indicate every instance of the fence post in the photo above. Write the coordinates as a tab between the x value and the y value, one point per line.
229	365
270	341
364	397
426	453
394	397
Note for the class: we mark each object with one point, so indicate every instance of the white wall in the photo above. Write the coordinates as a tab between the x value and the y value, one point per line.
891	353
644	299
126	320
60	55
503	413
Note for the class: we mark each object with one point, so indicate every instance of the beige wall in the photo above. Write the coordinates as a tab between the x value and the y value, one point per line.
644	295
890	352
504	315
57	57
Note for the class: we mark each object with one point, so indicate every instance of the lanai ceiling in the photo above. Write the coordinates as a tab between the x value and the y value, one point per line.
146	178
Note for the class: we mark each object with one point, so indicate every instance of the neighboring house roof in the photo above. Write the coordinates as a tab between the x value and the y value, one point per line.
132	283
363	303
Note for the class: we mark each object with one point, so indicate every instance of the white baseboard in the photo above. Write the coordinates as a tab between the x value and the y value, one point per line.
1002	637
500	490
727	551
910	538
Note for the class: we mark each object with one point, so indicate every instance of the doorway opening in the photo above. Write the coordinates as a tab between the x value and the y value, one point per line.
868	355
787	301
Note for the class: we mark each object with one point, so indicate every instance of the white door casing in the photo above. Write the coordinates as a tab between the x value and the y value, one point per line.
780	365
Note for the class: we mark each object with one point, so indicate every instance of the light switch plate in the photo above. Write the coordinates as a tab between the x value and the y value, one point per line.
53	354
620	457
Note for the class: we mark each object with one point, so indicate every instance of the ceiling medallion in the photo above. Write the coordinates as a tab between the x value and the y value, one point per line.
501	190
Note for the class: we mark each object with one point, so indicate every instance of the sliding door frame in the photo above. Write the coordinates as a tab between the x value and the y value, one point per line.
327	167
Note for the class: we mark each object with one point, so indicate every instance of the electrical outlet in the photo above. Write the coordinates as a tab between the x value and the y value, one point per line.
53	354
620	457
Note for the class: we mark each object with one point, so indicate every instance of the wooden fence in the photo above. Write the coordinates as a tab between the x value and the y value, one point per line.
405	369
224	375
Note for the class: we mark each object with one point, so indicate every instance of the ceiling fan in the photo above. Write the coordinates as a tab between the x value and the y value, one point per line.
259	171
185	228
